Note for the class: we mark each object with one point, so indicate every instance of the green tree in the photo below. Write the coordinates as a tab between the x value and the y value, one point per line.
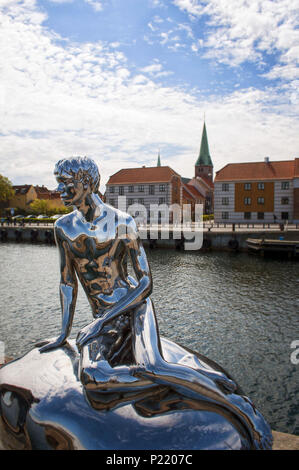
40	206
6	189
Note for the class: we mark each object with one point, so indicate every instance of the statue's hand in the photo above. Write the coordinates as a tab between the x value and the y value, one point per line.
89	332
60	341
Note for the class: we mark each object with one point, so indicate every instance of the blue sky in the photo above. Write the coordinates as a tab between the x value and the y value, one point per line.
119	79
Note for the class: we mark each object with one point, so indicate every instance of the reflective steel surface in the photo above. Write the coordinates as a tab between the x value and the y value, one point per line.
118	363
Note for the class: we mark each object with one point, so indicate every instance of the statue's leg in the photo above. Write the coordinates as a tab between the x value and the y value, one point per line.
187	381
95	371
149	358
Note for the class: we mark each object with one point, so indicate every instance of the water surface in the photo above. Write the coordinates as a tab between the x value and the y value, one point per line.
239	310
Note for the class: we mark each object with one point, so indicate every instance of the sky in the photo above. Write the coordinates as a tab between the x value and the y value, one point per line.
121	80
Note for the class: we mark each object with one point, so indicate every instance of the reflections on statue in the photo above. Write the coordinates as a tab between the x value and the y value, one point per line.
120	350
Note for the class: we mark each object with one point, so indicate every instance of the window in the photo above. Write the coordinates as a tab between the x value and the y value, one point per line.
247	201
261	186
152	189
261	200
131	189
284	215
141	201
141	188
111	189
285	185
284	200
260	215
247	215
121	190
225	201
162	188
247	186
111	202
224	215
162	200
130	202
225	186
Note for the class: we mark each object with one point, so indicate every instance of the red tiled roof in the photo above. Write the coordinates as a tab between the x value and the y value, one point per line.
45	193
187	195
207	181
296	168
42	192
157	174
257	171
195	192
22	188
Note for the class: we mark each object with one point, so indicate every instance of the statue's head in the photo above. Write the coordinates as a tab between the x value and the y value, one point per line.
76	177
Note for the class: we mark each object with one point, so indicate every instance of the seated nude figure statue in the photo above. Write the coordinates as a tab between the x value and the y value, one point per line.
120	349
122	343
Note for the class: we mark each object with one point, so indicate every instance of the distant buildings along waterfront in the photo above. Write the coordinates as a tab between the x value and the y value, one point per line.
259	192
162	185
25	194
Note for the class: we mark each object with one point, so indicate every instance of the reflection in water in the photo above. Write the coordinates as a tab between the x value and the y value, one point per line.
241	311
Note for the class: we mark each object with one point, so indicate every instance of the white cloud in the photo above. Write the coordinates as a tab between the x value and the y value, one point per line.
157	3
95	4
152	68
155	70
61	99
243	31
153	28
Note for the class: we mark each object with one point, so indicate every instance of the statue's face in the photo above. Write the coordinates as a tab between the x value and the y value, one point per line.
72	191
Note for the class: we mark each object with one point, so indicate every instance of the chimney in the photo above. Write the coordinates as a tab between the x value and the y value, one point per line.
267	159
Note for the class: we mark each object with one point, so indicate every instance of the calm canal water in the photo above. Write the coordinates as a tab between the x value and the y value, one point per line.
240	311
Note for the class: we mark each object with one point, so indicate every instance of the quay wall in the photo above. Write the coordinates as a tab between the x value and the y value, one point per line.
222	240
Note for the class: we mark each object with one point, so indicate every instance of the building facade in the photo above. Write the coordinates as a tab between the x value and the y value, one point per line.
24	195
162	185
146	186
258	192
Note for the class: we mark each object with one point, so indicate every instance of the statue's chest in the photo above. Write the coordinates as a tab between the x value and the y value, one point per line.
91	247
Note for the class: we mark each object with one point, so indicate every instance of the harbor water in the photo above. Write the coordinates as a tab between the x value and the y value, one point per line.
239	310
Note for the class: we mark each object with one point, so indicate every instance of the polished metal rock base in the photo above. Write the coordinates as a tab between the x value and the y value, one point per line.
45	406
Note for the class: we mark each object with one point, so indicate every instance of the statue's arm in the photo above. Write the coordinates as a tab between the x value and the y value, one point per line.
134	297
67	290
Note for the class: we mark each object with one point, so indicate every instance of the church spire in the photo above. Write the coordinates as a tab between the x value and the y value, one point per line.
159	160
204	157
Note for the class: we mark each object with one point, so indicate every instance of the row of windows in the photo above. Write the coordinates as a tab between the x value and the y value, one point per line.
260	186
112	202
260	215
140	188
260	200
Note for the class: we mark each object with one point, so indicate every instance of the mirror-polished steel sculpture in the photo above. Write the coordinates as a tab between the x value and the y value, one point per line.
119	386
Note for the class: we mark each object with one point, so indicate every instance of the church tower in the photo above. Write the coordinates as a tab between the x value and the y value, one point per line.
204	165
159	160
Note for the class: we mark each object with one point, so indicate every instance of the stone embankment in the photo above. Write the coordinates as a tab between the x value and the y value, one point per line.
222	238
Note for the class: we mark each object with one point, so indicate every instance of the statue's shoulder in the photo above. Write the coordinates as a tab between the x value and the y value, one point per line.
121	217
65	221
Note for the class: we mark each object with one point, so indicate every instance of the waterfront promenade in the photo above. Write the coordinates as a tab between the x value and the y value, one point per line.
210	236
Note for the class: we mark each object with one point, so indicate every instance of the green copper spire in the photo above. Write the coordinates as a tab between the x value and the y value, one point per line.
204	157
159	161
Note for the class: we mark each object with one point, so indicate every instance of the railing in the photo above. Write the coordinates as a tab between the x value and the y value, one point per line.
209	226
